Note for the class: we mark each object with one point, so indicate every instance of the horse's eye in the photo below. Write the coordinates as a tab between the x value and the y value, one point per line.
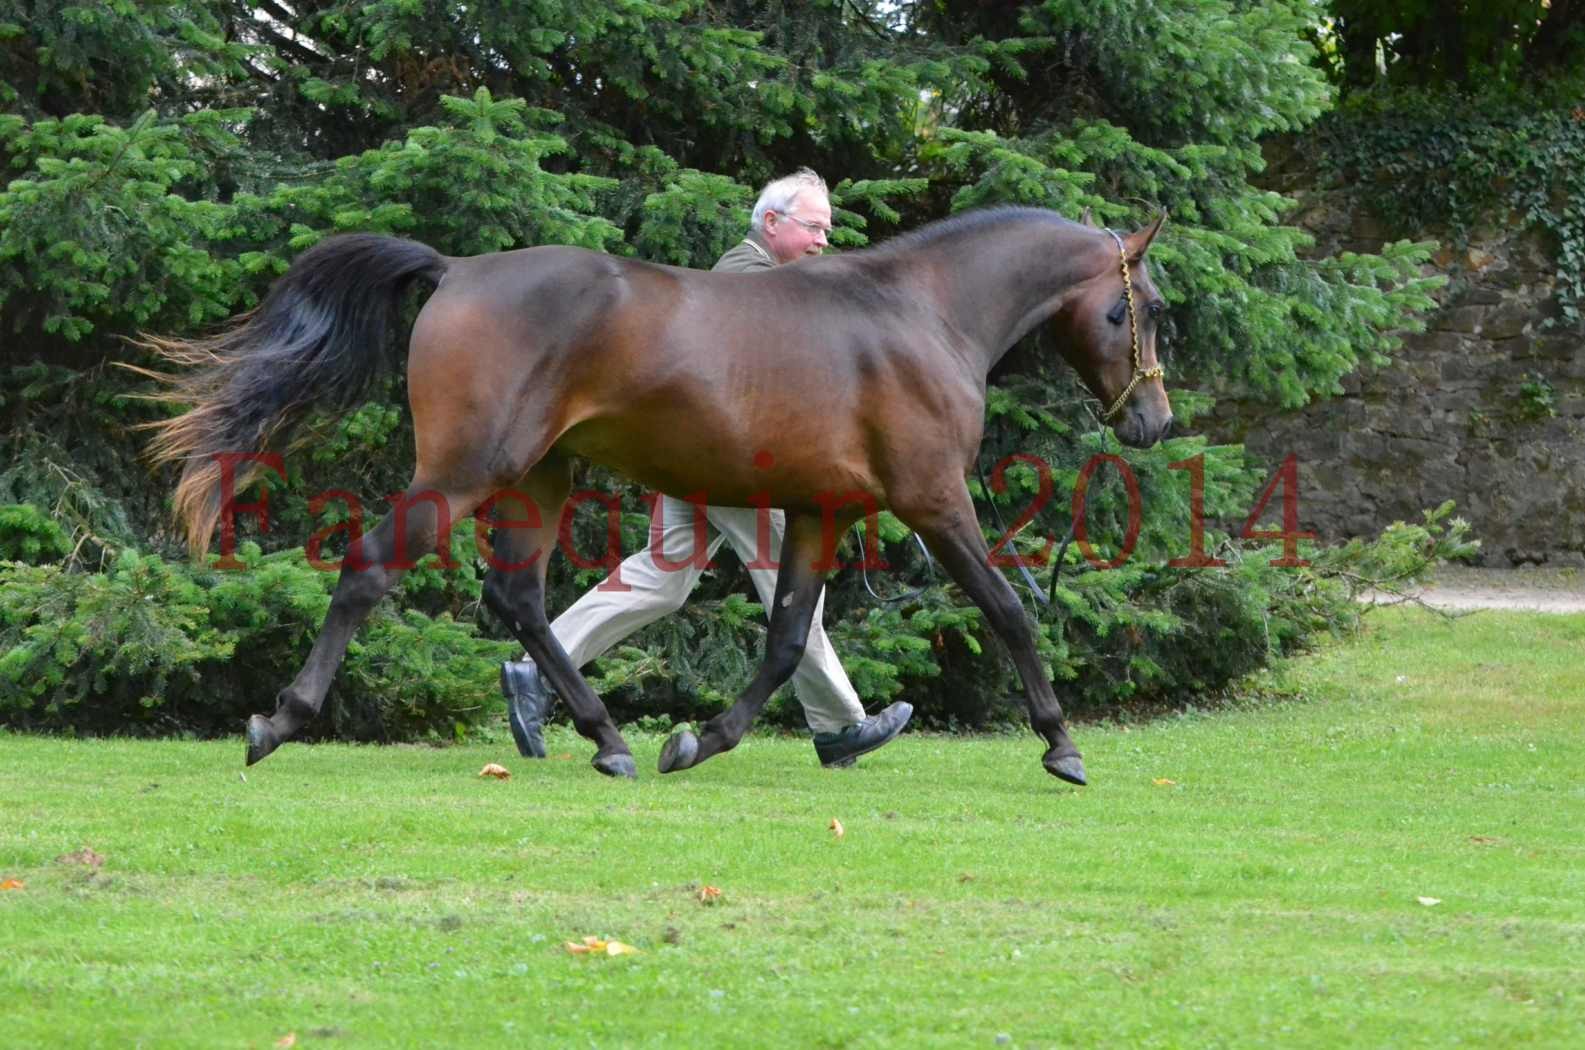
1157	309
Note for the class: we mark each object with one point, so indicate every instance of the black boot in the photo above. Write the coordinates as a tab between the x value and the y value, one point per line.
528	704
840	749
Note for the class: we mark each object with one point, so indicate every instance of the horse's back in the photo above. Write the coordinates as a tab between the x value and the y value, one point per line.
685	380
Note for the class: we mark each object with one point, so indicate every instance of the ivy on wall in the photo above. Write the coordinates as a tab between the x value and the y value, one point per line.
1430	159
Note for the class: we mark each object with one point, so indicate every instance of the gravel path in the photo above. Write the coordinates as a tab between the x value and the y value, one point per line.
1537	589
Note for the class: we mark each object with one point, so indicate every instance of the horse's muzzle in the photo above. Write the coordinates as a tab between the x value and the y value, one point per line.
1137	430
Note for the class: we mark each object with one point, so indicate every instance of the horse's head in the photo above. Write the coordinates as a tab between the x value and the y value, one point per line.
1111	342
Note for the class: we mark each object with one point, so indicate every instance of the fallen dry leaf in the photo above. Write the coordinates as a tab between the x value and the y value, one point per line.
499	772
595	946
1485	840
1164	782
1429	901
86	855
709	894
836	827
13	884
289	1039
565	756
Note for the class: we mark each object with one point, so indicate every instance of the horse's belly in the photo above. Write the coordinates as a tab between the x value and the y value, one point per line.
727	465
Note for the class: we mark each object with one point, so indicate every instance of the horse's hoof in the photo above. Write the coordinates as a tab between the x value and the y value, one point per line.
619	764
679	752
262	738
1069	767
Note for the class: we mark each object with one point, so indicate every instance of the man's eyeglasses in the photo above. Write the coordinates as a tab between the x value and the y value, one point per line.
812	227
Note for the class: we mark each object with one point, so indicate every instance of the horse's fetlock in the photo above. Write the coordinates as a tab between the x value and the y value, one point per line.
295	708
589	727
718	731
1048	724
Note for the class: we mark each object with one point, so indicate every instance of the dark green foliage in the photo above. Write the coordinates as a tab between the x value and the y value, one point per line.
59	57
1190	89
152	646
1537	399
27	535
114	651
65	448
1460	161
1417	42
165	161
1458	119
96	234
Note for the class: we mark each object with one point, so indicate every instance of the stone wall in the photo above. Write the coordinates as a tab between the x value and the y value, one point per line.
1452	417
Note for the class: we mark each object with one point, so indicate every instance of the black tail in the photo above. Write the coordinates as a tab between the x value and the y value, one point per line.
320	337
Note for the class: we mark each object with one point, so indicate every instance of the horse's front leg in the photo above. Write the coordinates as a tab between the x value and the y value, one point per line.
514	590
798	588
953	534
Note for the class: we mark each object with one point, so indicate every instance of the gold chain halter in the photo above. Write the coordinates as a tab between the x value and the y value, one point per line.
1140	374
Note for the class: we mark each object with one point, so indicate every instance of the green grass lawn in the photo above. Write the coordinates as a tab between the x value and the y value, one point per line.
1244	877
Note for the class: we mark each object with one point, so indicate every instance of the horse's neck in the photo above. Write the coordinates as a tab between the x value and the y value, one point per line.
1003	281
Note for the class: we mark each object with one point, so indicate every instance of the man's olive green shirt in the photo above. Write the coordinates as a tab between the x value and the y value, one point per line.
748	255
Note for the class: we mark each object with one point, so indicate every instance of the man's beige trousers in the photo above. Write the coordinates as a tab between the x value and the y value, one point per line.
603	617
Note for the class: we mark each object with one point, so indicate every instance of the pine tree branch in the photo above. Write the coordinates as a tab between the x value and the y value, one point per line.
879	30
289	46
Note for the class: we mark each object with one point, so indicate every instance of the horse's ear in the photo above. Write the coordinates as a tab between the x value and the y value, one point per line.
1087	219
1138	242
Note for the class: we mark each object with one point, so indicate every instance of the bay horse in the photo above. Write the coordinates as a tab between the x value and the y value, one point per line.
861	374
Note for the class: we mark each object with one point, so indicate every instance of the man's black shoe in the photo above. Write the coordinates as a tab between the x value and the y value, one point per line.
528	704
841	748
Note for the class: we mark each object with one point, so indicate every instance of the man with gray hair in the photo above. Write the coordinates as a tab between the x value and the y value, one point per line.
791	219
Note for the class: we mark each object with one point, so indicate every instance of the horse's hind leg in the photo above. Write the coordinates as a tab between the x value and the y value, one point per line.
372	566
953	533
797	592
514	590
